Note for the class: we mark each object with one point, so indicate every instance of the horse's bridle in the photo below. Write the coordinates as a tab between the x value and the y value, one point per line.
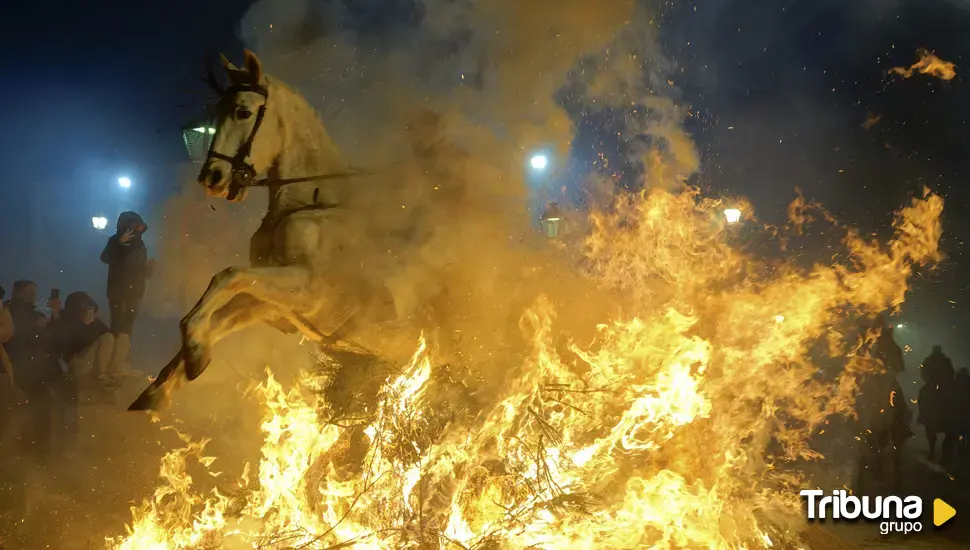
243	172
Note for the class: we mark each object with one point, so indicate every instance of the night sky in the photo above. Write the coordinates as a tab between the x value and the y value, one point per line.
780	90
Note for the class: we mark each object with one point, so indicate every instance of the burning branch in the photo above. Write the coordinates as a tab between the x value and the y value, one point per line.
928	64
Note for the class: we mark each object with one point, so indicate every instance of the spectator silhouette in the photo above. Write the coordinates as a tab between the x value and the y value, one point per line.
82	340
961	409
128	271
8	384
36	371
934	400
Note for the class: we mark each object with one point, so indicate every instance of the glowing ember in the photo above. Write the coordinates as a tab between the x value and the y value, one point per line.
667	431
928	64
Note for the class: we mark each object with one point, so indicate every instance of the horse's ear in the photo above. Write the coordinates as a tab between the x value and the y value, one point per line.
253	66
227	64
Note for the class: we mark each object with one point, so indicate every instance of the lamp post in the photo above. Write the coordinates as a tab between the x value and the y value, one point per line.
550	219
539	162
197	136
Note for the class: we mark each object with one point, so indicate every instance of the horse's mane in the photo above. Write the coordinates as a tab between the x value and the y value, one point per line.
304	126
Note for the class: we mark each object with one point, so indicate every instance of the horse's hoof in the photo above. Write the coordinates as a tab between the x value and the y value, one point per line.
142	404
197	358
148	401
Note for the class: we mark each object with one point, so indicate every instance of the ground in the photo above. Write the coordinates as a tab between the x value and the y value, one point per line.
76	501
929	481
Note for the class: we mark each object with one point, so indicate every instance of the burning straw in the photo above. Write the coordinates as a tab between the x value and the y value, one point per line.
671	429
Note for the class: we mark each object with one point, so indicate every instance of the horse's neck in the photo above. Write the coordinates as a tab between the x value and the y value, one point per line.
306	151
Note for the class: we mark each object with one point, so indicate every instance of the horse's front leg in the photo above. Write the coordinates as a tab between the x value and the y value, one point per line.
282	288
158	394
238	314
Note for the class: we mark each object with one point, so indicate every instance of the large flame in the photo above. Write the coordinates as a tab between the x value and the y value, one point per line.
680	426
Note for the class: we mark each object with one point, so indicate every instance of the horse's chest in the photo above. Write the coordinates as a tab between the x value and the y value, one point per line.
301	238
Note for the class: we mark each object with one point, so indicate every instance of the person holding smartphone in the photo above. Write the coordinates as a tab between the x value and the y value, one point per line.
129	269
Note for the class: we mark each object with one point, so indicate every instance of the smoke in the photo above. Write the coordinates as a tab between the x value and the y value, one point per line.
508	79
456	245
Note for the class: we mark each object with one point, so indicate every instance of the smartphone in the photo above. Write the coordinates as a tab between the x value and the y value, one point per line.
55	294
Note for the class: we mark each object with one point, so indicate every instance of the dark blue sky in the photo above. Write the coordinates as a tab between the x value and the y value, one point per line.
781	89
113	76
94	90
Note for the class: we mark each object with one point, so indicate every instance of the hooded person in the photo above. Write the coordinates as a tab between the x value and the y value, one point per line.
128	272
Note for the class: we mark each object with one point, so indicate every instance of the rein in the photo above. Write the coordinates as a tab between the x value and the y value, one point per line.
243	172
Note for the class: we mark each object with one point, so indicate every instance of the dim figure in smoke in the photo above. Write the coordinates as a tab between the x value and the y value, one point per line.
128	272
550	219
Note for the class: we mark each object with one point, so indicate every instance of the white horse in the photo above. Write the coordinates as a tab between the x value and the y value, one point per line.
296	282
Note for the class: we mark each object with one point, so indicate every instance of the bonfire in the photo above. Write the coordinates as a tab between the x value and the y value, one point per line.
681	425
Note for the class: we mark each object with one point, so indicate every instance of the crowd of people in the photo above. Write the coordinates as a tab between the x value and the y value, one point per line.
944	405
49	354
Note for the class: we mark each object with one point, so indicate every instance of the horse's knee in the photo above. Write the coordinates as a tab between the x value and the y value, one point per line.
185	325
224	277
192	327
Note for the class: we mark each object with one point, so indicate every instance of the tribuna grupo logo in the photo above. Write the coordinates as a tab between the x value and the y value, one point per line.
894	514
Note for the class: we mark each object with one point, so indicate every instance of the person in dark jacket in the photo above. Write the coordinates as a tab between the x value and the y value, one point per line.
128	271
935	399
85	345
82	340
961	410
8	382
36	371
29	347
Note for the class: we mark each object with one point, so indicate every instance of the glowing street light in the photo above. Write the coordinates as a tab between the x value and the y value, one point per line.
197	134
732	215
539	162
124	182
900	325
99	222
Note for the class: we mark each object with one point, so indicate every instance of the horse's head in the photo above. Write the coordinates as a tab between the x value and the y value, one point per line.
244	144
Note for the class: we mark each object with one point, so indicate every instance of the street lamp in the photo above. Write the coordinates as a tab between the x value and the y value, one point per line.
732	215
124	182
550	220
539	162
99	222
197	135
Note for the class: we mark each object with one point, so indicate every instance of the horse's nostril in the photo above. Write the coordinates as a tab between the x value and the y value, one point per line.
215	177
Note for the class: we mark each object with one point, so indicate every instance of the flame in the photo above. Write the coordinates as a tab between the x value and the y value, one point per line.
676	427
928	64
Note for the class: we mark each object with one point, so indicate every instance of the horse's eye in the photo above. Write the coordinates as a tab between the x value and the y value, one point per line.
243	114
